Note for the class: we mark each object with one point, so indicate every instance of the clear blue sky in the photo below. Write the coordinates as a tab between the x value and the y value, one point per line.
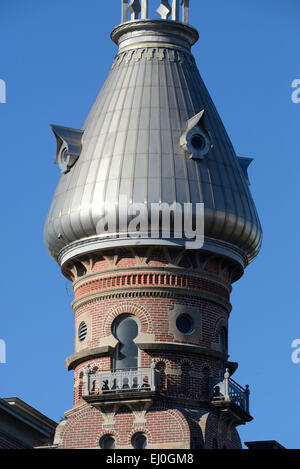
55	56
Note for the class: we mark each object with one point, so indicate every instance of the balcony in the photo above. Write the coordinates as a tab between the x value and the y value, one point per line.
110	385
228	394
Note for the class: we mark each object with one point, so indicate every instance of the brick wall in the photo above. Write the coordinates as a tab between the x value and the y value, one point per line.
151	291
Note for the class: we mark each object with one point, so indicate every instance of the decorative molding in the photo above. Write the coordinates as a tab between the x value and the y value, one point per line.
229	265
145	275
177	262
73	360
164	292
182	348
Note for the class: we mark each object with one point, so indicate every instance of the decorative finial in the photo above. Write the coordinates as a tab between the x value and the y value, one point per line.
135	9
164	9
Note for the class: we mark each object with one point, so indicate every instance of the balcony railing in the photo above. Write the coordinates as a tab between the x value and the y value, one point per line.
136	379
229	390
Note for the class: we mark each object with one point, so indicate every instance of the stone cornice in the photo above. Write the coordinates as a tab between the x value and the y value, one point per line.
183	348
73	360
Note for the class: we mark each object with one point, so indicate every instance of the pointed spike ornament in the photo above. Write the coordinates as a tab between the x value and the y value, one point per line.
164	10
135	9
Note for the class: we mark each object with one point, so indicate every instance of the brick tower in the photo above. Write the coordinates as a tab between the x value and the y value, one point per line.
151	365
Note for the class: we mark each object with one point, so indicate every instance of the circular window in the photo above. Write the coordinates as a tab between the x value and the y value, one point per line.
82	331
139	441
198	141
107	442
185	324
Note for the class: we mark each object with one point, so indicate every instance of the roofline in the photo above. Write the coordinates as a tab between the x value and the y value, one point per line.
17	407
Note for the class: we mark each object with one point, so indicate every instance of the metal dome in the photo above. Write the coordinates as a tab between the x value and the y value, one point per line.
138	142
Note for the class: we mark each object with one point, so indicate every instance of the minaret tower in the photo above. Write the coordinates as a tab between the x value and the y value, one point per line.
151	310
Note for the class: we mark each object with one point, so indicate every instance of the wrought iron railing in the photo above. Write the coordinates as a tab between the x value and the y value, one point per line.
107	381
228	390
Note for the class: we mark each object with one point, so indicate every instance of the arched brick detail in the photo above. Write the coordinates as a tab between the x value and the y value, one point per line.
185	361
179	417
221	322
74	433
163	360
208	366
181	430
140	429
112	432
128	308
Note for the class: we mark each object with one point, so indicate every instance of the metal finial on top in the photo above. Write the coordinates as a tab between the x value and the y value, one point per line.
135	9
139	9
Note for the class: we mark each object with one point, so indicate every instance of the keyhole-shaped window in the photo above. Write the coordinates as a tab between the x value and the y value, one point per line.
125	330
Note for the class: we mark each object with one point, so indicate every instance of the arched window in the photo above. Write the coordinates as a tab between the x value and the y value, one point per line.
125	329
108	442
139	441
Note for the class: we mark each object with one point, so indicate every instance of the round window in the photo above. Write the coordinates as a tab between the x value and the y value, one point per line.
82	331
139	441
198	141
185	324
107	442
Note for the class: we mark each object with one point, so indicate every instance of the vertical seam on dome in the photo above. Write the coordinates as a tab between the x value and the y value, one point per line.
175	70
166	64
116	79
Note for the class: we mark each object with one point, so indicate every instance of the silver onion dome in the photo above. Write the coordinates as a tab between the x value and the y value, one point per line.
154	136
